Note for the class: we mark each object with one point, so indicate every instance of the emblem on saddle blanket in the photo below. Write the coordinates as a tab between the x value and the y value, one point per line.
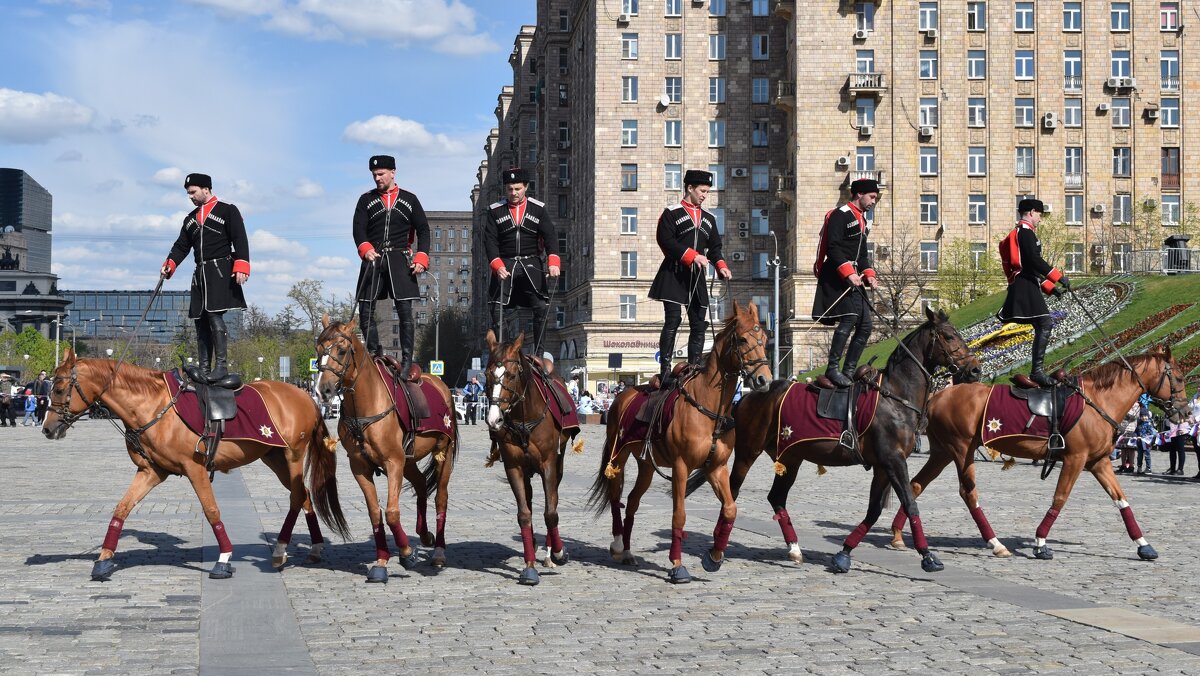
800	422
252	422
1007	415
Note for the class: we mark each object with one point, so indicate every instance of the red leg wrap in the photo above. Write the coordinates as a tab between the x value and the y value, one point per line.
1131	524
627	531
785	525
314	528
399	535
617	527
289	522
553	541
721	534
1043	528
381	548
527	543
857	535
677	536
900	520
422	521
918	534
439	540
222	539
114	533
985	528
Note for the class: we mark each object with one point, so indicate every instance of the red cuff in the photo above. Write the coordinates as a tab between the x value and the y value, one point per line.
496	264
422	258
1047	287
721	265
689	256
846	269
240	265
1054	276
170	265
552	259
869	273
364	249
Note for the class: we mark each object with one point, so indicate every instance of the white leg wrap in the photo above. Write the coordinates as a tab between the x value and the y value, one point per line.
1120	504
794	548
316	549
279	550
617	546
224	557
994	543
1141	542
1040	542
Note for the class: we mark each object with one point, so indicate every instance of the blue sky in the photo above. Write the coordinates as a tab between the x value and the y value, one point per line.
109	103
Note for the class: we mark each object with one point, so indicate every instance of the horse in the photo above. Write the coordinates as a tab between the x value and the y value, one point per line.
374	437
956	426
905	386
161	445
526	436
699	440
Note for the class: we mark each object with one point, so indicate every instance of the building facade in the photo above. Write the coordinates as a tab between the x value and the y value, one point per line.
28	290
111	315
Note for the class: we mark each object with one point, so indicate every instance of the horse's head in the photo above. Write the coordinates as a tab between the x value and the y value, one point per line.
505	378
338	352
68	401
1168	390
742	347
949	350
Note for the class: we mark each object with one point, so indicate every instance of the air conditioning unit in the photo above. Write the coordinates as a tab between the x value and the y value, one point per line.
1047	207
622	18
564	183
1114	82
739	172
843	161
743	234
866	130
1099	249
926	131
1050	120
563	145
861	35
1129	82
931	33
1103	108
883	249
1099	208
563	70
1149	203
738	256
1152	113
698	3
743	225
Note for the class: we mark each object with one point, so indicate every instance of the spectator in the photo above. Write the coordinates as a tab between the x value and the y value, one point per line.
30	408
471	395
573	389
1128	440
43	403
585	404
1146	435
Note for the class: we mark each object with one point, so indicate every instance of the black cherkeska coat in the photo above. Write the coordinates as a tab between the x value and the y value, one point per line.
219	243
682	239
842	252
518	246
390	223
1029	276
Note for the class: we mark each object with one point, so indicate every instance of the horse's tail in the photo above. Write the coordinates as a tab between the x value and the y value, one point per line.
430	472
599	492
321	466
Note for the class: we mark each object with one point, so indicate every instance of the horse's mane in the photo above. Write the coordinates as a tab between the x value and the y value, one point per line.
138	380
1105	375
899	355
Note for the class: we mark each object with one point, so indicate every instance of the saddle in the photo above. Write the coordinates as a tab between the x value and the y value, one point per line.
410	384
541	371
217	404
1049	403
863	373
651	410
838	404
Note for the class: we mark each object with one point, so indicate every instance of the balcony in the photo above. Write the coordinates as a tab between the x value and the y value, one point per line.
877	175
866	83
1170	83
785	9
785	188
1073	181
785	95
1170	182
1073	83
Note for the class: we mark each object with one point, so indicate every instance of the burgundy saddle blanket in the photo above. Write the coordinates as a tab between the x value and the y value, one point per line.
798	419
564	419
253	421
633	430
441	418
1008	416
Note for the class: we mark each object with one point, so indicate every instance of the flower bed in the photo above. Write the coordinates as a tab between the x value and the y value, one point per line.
1138	330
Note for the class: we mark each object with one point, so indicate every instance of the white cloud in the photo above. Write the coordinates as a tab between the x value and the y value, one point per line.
467	45
37	118
307	189
334	263
79	4
69	156
389	131
170	176
265	242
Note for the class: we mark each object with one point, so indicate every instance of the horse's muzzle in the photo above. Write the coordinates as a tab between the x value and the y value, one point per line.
760	383
495	419
970	374
54	432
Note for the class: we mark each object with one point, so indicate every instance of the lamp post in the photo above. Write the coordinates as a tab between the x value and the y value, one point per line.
157	362
26	369
260	362
775	315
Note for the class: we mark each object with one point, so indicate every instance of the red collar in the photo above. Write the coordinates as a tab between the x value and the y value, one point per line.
693	210
389	196
1026	223
206	209
518	210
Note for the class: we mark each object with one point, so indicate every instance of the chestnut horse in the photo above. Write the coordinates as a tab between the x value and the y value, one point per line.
699	439
956	426
526	437
370	430
885	447
160	445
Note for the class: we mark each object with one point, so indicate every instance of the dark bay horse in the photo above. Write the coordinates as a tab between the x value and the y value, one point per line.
372	434
891	437
699	439
956	427
526	437
160	445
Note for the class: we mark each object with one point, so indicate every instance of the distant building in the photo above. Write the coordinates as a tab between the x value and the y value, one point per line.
113	314
28	291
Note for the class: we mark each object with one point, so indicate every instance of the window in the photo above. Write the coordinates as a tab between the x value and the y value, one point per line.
929	64
674	8
563	99
1168	18
673	177
1024	64
716	47
560	320
864	16
564	172
1074	210
672	131
716	133
673	50
928	112
629	133
1122	161
673	86
1170	209
977	209
629	45
1122	257
979	253
1073	70
864	111
716	7
927	16
564	21
761	267
1120	63
760	223
1072	112
760	8
977	111
719	215
929	161
1120	111
628	264
1025	161
628	307
864	158
1073	257
760	177
759	133
718	172
864	60
760	46
929	209
629	177
629	89
629	7
1072	16
976	16
760	90
1023	19
1168	65
1122	208
1118	17
1073	161
977	161
929	256
1024	113
564	211
716	90
976	64
1170	168
1168	115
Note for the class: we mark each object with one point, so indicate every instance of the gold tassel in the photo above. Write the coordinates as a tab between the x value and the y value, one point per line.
611	471
821	471
993	453
493	456
578	448
331	444
780	469
439	457
1008	464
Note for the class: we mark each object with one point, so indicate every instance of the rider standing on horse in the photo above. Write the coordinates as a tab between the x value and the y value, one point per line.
1021	256
217	234
387	222
518	230
843	271
688	237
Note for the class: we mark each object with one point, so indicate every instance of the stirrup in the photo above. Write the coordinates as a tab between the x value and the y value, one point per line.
848	439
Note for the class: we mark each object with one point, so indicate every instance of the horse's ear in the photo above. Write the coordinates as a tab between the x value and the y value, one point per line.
929	313
1166	350
491	340
943	316
325	320
520	340
68	355
352	325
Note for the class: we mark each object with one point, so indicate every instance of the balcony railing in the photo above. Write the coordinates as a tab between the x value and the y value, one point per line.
1073	181
877	175
785	95
866	83
1170	83
1170	181
1073	83
785	188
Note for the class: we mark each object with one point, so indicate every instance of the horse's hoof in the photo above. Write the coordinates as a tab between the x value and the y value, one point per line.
931	564
427	539
1147	553
679	575
841	562
794	553
628	558
220	571
1043	553
377	574
103	570
410	561
560	557
438	560
897	544
314	554
1001	552
529	577
710	564
278	562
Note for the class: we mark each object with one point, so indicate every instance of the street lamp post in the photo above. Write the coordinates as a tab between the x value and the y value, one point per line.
775	315
260	362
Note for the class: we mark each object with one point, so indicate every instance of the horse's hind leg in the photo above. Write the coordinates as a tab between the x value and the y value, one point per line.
777	498
518	482
1067	476
556	554
620	549
445	464
879	484
895	468
291	475
144	480
1103	471
938	460
719	478
416	478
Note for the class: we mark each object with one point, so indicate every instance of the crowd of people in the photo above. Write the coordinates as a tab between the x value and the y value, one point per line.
1143	433
30	401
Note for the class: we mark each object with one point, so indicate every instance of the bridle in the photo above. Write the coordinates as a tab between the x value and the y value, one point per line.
66	416
509	399
748	367
326	356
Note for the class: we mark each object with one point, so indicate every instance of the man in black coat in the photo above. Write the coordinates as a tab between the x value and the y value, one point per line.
214	230
688	237
392	236
843	271
518	231
1029	276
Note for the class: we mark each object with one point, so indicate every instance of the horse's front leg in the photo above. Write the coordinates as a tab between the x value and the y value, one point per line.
895	468
420	488
1103	471
719	479
969	491
518	482
777	498
879	484
1067	476
938	460
679	474
197	474
556	554
406	554
364	472
144	480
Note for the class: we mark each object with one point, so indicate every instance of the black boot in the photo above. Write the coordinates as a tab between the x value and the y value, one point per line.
220	343
370	334
852	356
838	345
665	378
198	372
1041	339
408	337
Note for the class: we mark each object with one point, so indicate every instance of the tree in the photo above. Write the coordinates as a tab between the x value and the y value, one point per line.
902	282
308	299
964	274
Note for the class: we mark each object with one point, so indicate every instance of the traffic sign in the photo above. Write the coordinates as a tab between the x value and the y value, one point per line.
437	367
312	365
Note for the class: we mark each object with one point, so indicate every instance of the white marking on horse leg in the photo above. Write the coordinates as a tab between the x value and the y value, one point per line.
1120	504
1141	542
617	547
279	550
1039	542
794	552
224	557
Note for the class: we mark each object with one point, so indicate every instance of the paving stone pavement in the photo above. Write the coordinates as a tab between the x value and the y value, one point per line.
1094	609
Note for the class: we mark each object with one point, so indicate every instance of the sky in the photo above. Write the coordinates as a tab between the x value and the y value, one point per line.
108	104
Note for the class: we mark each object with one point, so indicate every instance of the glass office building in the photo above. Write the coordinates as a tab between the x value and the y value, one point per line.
114	314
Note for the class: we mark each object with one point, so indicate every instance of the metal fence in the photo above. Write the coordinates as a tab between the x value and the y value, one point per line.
1163	261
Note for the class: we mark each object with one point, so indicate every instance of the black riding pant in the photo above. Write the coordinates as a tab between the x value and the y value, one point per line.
1041	339
211	334
366	311
860	325
697	324
535	303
